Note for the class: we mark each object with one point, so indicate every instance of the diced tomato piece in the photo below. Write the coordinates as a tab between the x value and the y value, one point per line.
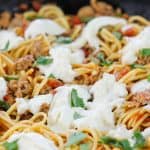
76	20
130	32
54	83
36	5
122	72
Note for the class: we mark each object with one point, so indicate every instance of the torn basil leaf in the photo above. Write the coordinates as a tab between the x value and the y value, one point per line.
11	145
75	138
145	52
76	101
64	40
118	35
11	77
51	76
139	140
43	60
134	66
102	60
148	78
4	105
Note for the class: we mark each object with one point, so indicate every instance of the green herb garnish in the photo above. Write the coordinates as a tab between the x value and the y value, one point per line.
148	78
118	35
43	60
4	105
145	52
76	101
139	140
102	60
51	76
76	115
75	138
124	144
6	46
11	77
64	40
11	145
134	66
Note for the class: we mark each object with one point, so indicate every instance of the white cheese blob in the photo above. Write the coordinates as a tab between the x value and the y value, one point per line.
32	105
129	52
120	132
3	88
10	39
89	33
140	86
32	141
61	113
146	132
109	90
61	66
43	26
147	107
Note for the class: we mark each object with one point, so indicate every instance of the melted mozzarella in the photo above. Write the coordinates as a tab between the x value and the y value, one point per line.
43	26
120	132
109	90
61	113
32	141
147	107
3	88
33	105
140	86
100	117
90	31
61	66
11	37
129	52
146	132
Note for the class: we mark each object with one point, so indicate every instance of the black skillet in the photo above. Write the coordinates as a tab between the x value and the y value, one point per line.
132	7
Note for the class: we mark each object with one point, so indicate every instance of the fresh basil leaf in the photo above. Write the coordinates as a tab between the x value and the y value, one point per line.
11	145
4	105
139	139
145	52
64	40
11	77
118	35
76	101
148	78
86	19
102	60
76	115
43	60
6	46
124	144
51	76
85	146
75	138
134	66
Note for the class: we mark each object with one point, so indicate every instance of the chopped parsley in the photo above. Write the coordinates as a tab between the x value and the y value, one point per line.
148	78
118	35
139	140
51	76
11	145
102	60
134	66
75	138
76	101
4	105
11	77
64	40
43	61
145	52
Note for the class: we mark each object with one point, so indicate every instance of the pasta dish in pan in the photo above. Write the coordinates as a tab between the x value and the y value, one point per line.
74	82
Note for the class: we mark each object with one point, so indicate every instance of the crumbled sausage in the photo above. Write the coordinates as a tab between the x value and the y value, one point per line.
24	63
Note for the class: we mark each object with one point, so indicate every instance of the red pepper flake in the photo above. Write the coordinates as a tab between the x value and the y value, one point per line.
54	83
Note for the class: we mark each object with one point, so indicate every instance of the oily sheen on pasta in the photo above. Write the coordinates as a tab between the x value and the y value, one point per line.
75	82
